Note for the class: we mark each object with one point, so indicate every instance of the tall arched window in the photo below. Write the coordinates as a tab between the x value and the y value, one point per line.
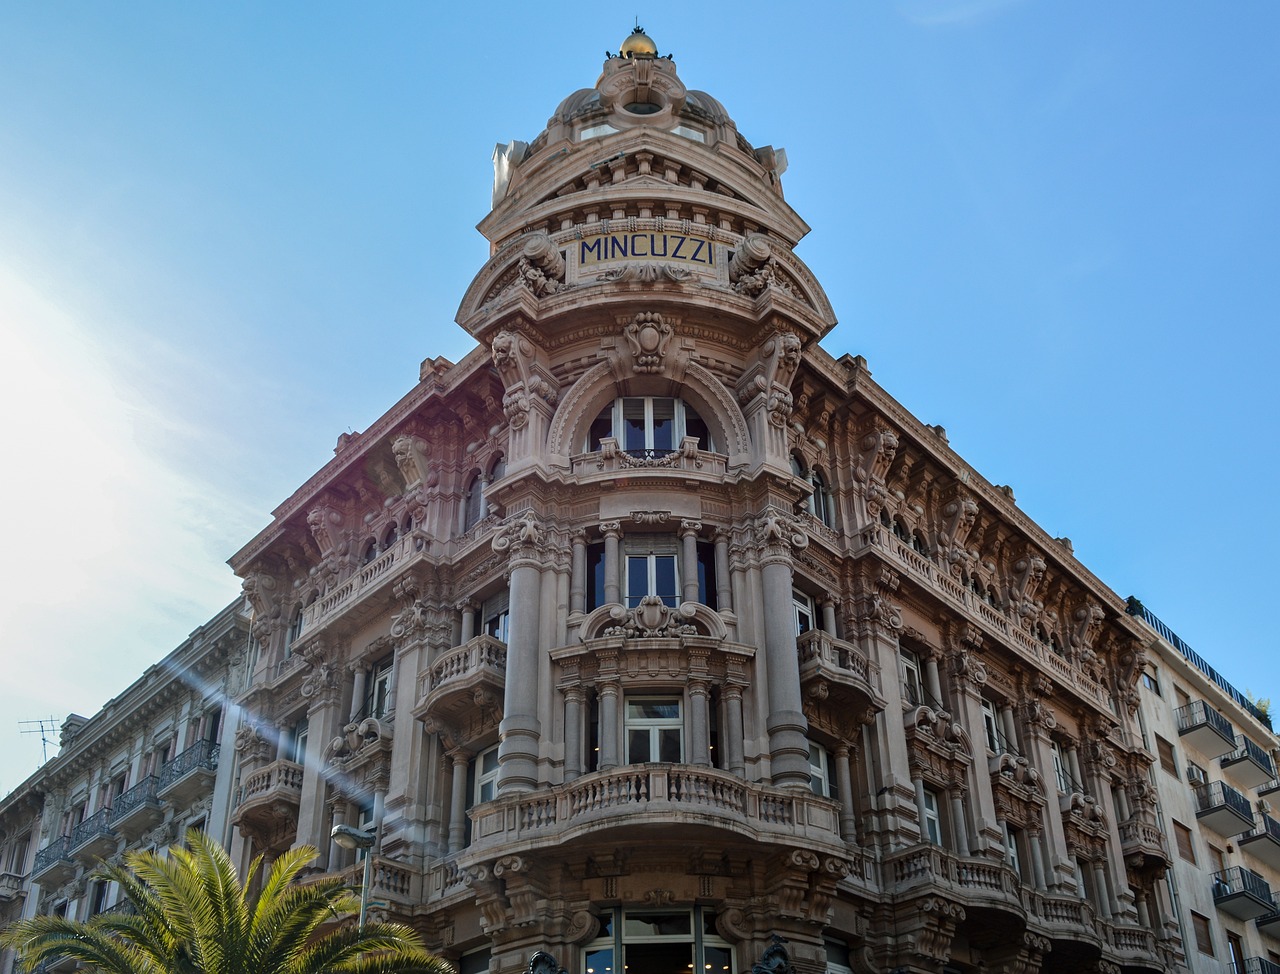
648	426
474	503
824	507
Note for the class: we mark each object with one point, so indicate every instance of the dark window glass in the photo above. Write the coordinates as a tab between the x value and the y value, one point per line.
707	585
664	425
595	573
601	427
694	425
633	425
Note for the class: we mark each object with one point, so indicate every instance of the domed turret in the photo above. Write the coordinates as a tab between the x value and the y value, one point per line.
638	44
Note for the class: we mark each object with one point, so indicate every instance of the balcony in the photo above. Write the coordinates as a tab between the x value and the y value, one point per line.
54	865
269	797
668	800
447	690
366	580
1263	843
190	775
971	881
851	679
94	838
1269	923
1205	729
687	461
1143	846
1223	809
10	886
1250	765
1242	893
1259	965
138	809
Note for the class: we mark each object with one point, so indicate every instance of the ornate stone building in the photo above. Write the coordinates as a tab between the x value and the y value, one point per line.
650	630
136	775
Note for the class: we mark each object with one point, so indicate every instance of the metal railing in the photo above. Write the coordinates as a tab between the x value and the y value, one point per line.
141	793
1220	793
1248	749
202	754
53	852
1136	608
95	825
1238	879
1198	712
1259	965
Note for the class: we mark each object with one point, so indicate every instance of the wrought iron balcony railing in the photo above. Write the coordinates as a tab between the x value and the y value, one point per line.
202	754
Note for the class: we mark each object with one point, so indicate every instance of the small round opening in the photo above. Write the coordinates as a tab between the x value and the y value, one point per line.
642	108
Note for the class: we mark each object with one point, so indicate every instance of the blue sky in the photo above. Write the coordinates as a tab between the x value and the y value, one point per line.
230	232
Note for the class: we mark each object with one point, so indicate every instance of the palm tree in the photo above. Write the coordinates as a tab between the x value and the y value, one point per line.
190	914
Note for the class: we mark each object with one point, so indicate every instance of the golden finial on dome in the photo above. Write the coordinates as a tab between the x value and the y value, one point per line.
638	44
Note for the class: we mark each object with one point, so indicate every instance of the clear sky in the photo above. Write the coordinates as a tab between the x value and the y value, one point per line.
230	232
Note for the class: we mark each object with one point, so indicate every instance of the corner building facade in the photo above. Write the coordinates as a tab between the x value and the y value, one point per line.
650	630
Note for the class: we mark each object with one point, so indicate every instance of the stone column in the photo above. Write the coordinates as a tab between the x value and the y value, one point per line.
467	608
734	759
960	827
699	718
1102	890
689	559
786	723
829	618
1035	839
338	815
612	531
361	674
573	699
578	579
520	730
844	788
608	734
1100	760
459	760
724	587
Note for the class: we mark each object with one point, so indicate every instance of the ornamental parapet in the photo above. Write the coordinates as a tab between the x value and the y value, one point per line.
688	462
369	578
269	796
878	541
602	807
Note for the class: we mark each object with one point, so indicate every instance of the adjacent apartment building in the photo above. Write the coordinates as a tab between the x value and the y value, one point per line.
651	631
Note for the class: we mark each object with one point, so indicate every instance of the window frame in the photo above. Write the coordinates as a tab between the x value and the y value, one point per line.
655	726
617	420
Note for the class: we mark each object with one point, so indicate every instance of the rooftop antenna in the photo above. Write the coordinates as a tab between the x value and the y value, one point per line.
45	727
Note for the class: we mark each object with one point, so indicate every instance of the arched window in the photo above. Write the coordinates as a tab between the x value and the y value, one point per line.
824	507
648	426
294	631
919	544
499	469
474	503
371	550
391	537
900	531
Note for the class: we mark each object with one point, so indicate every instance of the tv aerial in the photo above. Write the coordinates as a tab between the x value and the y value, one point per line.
45	727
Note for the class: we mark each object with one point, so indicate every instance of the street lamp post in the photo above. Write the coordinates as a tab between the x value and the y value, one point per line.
350	837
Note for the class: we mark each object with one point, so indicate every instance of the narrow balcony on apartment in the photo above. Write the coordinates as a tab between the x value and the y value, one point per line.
1242	893
1223	809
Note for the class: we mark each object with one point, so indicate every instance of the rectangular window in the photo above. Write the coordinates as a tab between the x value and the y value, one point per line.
932	825
297	750
495	615
708	588
378	693
990	726
821	778
652	574
804	614
1203	932
911	682
655	730
1168	760
1151	680
1182	836
486	788
1060	771
1012	841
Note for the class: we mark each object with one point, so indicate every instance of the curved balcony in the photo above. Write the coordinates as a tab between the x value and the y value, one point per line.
1144	847
190	775
447	691
977	883
138	809
686	460
270	797
638	802
851	680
